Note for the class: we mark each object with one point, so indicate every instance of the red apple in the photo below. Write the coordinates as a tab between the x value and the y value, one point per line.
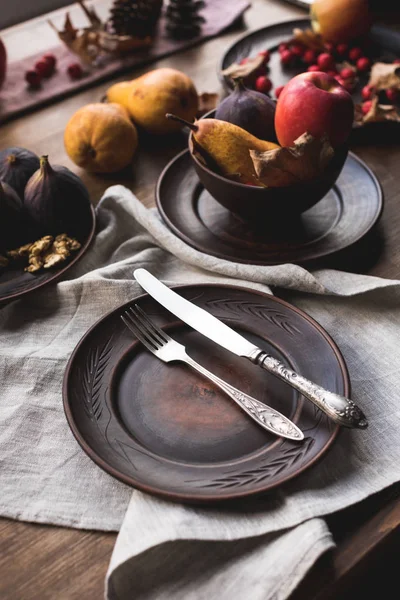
316	103
3	62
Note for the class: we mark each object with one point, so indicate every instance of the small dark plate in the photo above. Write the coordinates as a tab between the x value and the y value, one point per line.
15	282
164	429
386	44
349	210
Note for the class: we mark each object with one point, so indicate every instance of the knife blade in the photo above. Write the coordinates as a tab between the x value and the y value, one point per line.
340	409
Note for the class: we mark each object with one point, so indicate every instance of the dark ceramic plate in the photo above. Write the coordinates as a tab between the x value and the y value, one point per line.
165	430
386	44
350	210
15	282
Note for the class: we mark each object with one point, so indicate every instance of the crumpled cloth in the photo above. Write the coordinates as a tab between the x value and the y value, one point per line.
261	547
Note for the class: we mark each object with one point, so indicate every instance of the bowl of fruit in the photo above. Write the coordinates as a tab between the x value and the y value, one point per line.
298	154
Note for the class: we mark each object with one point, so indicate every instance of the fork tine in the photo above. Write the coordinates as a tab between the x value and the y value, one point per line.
165	337
146	325
139	333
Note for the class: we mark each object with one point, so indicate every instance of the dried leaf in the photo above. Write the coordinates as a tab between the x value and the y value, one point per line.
246	70
384	76
303	161
207	102
308	38
378	113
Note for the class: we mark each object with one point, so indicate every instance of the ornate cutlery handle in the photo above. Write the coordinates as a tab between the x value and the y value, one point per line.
264	415
340	409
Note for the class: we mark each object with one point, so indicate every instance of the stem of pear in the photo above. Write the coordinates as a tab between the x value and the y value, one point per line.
191	126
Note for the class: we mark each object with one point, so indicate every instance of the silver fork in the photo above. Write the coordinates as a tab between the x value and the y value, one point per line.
167	349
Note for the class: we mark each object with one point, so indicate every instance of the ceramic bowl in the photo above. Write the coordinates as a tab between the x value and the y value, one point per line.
253	203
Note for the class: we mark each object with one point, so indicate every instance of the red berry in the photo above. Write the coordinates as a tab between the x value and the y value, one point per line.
43	68
325	61
348	84
75	71
243	61
329	47
51	59
332	73
366	106
33	78
286	57
282	47
363	64
342	49
310	57
266	54
278	90
313	68
263	84
297	50
355	54
392	95
347	73
396	61
367	92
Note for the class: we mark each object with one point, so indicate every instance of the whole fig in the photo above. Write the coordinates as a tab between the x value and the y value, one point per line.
250	110
13	222
16	167
57	201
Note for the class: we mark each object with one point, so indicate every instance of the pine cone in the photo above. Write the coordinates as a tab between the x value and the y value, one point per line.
183	19
136	18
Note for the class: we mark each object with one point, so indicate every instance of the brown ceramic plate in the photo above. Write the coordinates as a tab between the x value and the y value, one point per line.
165	430
346	214
384	42
15	282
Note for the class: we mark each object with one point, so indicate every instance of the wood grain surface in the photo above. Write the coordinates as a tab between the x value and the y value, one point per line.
40	562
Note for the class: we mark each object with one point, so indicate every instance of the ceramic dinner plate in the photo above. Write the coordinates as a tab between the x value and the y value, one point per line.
164	429
345	215
386	44
15	282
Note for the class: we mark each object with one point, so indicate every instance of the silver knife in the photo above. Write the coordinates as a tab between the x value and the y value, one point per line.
340	409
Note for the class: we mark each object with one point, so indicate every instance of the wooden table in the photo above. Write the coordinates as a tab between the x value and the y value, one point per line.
44	562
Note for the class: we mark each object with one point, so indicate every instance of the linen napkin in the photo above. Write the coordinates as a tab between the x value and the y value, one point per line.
262	547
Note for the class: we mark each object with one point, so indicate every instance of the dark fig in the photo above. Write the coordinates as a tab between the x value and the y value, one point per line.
13	222
16	167
250	110
57	201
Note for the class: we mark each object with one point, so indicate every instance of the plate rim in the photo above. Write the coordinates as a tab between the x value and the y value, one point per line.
190	497
320	256
4	300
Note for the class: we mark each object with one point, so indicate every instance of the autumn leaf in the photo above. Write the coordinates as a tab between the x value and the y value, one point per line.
305	160
384	76
245	70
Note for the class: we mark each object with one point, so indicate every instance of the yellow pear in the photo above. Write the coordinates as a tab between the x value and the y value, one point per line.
155	93
119	93
227	145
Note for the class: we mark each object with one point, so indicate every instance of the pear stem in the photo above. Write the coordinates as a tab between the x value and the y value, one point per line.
191	126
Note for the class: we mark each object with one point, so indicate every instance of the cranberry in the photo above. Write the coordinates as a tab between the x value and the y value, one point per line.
282	47
313	68
325	61
51	59
43	68
341	49
75	71
347	73
348	85
392	95
329	47
363	64
355	54
287	57
367	92
396	61
297	50
243	61
366	106
332	73
266	56
310	57
263	84
278	90
33	78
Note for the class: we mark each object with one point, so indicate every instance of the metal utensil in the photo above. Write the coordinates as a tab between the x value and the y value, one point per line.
341	410
168	349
